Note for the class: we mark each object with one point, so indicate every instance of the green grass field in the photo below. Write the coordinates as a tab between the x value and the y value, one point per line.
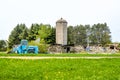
60	69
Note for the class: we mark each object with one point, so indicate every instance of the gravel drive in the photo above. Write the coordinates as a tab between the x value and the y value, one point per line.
29	57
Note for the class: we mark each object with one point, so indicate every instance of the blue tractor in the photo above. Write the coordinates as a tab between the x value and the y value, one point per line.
23	48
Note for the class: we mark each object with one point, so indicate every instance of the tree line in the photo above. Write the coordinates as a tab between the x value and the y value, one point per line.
77	35
45	32
86	34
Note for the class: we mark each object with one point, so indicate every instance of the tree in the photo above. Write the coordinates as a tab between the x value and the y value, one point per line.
70	32
33	32
100	34
51	37
82	34
3	45
18	33
77	34
47	34
85	34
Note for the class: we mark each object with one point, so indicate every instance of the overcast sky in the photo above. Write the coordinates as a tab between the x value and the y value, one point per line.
13	12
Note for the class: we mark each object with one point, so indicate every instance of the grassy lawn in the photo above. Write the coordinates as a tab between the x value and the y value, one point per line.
63	55
60	69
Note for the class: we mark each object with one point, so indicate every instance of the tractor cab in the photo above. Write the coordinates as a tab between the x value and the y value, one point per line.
22	48
24	42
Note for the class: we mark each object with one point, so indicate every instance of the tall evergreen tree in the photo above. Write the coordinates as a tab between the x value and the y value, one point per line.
18	33
33	32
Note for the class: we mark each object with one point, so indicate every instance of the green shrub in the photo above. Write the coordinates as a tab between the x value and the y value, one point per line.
42	46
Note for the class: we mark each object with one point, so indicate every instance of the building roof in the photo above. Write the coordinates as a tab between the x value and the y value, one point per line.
61	20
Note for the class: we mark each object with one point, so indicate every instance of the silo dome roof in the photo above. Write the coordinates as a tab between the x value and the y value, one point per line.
61	20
